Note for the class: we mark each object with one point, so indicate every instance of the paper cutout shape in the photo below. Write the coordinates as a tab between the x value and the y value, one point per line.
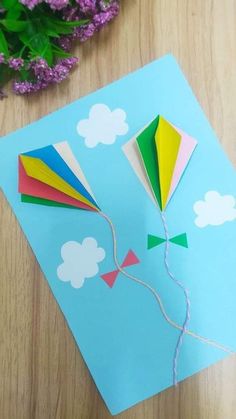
186	149
164	153
47	179
80	261
102	126
29	186
66	154
110	277
131	259
215	209
167	141
147	149
154	241
180	240
41	201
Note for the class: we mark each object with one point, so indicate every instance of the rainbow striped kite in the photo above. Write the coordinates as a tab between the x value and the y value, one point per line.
52	176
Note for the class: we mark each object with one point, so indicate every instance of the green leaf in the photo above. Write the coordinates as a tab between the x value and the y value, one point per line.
59	29
14	12
52	33
62	27
39	45
28	34
8	4
74	23
60	53
24	74
38	42
3	44
14	25
47	54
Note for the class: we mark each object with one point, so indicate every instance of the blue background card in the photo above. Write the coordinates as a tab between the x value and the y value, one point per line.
122	335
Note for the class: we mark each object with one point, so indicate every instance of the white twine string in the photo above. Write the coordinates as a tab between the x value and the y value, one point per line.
187	300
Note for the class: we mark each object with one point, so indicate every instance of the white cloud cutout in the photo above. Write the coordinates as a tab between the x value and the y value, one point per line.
215	210
102	125
80	261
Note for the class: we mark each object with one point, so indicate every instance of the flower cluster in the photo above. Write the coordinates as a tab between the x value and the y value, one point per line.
35	51
44	75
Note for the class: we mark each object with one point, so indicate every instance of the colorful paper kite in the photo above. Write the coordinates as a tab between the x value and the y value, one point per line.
165	152
52	176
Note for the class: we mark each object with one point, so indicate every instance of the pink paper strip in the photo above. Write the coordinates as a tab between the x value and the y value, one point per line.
34	187
186	149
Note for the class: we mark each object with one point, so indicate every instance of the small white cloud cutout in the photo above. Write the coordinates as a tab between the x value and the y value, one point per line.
80	261
215	210
102	125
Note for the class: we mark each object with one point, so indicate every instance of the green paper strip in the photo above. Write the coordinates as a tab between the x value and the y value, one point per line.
147	149
154	241
181	240
41	201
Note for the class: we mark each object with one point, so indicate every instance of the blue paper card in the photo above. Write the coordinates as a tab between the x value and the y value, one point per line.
127	343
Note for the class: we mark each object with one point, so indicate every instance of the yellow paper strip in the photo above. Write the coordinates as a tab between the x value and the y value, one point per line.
167	145
37	169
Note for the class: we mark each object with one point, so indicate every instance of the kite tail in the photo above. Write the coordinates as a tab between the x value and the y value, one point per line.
156	295
186	294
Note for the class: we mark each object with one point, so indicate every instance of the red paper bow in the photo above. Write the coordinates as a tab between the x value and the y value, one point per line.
110	277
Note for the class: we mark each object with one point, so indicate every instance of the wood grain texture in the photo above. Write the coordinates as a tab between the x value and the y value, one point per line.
42	374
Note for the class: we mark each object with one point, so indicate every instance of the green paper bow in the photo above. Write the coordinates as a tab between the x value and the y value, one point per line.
180	240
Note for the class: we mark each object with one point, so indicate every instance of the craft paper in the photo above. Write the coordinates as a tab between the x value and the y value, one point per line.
66	154
53	160
186	149
148	154
164	153
122	334
42	201
37	169
33	187
167	147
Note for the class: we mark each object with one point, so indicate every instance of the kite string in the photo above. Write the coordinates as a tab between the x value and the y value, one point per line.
156	295
187	300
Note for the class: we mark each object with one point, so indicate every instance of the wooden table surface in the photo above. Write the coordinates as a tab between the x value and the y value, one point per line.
42	374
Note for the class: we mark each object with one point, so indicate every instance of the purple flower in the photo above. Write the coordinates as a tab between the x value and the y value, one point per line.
84	32
71	13
106	5
57	4
87	6
54	4
15	63
65	42
22	87
102	18
69	62
45	75
30	3
2	59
